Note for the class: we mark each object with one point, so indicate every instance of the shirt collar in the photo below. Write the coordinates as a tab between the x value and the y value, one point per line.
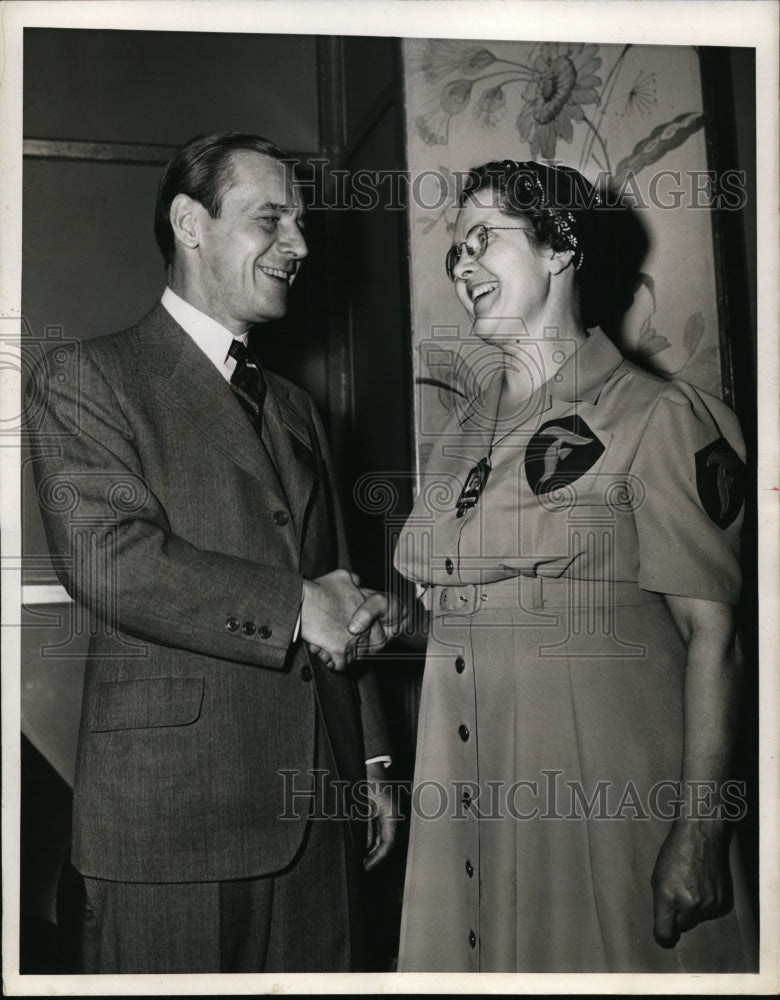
210	336
582	376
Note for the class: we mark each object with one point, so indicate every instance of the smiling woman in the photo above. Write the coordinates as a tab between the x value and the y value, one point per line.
575	541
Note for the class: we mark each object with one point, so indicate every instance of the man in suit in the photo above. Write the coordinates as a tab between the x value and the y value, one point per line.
188	503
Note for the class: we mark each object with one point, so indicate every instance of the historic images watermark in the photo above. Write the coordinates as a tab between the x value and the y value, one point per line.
326	187
549	796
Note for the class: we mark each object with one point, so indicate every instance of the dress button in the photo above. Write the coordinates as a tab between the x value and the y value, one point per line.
232	624
463	732
306	672
264	632
448	565
472	939
249	628
469	868
280	518
460	664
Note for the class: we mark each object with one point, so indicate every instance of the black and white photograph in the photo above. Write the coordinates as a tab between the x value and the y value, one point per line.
388	452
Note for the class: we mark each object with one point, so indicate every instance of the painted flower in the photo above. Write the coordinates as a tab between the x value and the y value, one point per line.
434	126
491	107
641	97
563	80
442	57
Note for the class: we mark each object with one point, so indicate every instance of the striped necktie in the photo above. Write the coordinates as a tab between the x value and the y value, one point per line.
248	382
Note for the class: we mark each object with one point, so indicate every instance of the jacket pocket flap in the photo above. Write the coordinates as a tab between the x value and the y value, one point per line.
148	703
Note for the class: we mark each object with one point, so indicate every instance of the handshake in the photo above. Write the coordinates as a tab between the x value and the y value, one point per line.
340	620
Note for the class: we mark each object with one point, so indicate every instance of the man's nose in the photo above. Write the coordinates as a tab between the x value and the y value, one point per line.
293	243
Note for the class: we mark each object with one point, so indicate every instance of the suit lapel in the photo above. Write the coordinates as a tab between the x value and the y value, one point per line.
288	435
190	385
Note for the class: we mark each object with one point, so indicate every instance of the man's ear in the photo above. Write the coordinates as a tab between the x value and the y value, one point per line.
559	260
185	217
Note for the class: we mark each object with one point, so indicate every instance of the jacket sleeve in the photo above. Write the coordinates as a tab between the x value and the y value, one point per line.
112	546
376	742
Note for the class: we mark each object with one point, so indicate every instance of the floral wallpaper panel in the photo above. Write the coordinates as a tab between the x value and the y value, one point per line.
630	115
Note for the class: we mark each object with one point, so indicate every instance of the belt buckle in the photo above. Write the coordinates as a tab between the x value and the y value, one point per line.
454	600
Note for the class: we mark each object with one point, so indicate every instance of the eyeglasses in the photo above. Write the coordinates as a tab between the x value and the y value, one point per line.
475	243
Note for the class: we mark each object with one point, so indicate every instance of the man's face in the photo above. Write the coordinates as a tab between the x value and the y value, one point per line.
249	256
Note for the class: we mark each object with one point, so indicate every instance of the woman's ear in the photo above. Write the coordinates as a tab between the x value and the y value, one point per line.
559	260
184	215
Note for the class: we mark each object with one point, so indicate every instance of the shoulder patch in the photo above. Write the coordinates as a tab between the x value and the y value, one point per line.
720	480
559	453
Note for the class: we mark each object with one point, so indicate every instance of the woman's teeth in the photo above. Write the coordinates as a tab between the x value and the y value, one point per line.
481	290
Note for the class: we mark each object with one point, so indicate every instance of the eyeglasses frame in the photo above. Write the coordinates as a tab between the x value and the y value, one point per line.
464	243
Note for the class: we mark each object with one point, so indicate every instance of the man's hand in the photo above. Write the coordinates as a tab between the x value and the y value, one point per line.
383	822
690	880
329	603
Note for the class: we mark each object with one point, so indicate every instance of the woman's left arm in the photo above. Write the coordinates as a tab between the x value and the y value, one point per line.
691	879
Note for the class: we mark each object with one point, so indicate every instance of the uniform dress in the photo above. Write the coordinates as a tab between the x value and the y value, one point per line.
550	730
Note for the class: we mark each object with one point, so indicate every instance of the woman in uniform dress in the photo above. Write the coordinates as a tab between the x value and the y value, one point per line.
575	541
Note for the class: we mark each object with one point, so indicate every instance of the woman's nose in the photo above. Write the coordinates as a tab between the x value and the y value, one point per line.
464	267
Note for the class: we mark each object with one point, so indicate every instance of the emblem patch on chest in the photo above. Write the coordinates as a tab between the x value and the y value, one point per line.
720	480
559	453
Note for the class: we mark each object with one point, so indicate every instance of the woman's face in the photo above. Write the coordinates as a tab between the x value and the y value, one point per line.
506	288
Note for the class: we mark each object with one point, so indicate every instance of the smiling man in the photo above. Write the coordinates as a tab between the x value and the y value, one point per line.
213	556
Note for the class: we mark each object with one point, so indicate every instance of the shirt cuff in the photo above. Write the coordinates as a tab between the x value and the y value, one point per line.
383	759
297	629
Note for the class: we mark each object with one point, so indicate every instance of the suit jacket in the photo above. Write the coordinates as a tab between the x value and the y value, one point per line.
186	540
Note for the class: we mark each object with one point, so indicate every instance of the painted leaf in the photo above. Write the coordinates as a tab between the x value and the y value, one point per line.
653	344
694	329
660	141
439	384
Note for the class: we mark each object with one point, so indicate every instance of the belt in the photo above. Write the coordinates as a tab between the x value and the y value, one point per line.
531	592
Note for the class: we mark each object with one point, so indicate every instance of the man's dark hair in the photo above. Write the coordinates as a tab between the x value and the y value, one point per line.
202	169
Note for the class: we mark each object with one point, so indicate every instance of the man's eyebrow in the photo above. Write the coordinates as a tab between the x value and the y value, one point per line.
273	206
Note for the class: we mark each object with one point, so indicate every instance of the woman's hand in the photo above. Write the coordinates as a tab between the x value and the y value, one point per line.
691	879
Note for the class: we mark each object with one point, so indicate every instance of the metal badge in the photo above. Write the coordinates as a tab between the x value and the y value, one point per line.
473	487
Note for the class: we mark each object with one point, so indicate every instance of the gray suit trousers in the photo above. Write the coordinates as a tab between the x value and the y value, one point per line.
292	921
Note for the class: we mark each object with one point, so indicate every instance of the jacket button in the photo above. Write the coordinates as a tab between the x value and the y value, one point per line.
469	868
306	672
448	565
466	798
264	632
249	628
232	624
463	732
472	939
460	664
280	518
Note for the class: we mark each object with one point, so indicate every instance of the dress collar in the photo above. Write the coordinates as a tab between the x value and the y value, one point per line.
582	376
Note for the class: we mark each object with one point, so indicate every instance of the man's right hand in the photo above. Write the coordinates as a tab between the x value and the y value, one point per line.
329	603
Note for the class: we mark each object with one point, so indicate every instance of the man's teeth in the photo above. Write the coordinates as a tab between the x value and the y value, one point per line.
277	272
483	290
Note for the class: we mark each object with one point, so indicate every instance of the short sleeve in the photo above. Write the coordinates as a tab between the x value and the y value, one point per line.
690	481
